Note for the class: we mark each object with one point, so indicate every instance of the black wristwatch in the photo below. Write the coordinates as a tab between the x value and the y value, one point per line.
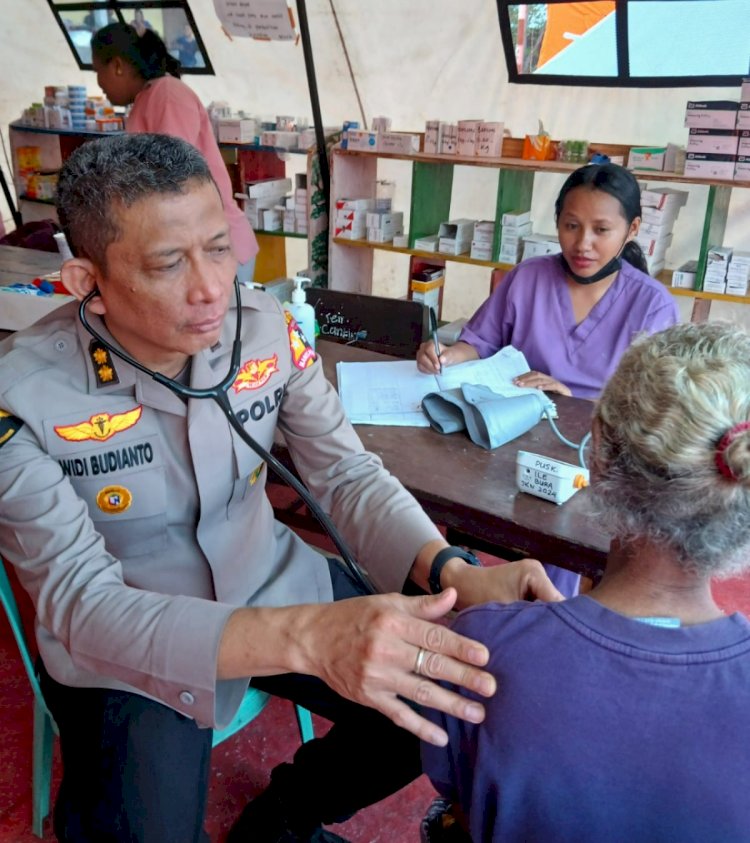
439	561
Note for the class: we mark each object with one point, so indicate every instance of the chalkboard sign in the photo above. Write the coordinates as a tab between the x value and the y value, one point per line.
390	326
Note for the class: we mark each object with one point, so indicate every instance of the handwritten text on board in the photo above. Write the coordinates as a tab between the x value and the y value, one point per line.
267	19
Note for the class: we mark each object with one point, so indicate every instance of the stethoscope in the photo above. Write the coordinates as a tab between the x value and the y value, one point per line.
220	394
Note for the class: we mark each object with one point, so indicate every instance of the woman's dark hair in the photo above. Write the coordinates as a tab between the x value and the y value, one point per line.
619	183
147	53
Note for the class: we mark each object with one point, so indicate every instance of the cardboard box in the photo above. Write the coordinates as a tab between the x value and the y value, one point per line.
481	251
745	90
377	219
484	232
428	243
654	265
360	140
711	114
468	135
647	158
490	140
349	231
743	142
449	139
427	292
535	245
742	168
460	229
722	141
383	235
655	230
398	143
453	246
662	197
355	204
705	165
381	124
655	249
684	277
279	140
272	220
713	285
511	254
516	219
353	216
743	116
268	187
432	136
243	130
660	216
736	288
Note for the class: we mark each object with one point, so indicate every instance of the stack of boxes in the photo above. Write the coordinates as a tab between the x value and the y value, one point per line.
300	203
719	138
426	286
264	207
515	226
738	274
467	137
715	279
538	245
482	240
383	225
454	236
659	209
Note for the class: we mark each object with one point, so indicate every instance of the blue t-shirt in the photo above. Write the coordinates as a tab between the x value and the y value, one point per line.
603	729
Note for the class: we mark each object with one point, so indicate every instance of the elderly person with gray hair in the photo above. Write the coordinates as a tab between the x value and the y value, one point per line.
622	715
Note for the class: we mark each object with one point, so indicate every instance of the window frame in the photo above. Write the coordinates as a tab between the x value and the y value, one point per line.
623	79
120	8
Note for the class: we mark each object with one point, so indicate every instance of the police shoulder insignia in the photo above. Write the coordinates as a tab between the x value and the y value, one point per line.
9	426
302	352
101	360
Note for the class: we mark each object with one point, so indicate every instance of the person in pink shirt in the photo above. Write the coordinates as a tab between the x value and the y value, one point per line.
138	69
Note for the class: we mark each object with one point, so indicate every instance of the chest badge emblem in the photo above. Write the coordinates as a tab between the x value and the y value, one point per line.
114	499
99	427
255	373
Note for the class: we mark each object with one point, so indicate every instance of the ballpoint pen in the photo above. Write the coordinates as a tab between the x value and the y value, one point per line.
434	325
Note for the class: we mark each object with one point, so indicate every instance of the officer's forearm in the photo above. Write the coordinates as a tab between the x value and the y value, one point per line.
263	642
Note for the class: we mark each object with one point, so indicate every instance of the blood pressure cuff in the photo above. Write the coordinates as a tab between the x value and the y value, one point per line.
489	419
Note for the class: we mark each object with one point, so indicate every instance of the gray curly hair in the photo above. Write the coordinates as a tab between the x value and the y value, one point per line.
120	170
660	419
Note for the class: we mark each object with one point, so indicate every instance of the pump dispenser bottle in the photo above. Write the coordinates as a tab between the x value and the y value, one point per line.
303	312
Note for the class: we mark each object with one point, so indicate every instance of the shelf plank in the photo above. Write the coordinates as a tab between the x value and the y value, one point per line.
280	233
666	277
435	256
515	163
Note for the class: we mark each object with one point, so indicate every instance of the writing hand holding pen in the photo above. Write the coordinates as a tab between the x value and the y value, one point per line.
434	326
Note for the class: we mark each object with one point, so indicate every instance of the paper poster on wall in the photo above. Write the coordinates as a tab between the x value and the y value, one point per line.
266	20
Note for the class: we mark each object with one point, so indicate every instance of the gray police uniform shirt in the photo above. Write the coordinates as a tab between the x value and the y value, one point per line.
138	521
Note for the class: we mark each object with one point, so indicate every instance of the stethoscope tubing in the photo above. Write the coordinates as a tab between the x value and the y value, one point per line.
220	394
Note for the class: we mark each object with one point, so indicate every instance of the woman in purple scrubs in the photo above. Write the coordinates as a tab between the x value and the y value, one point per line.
573	314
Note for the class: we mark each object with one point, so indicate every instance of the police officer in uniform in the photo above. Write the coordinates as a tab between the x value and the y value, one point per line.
138	522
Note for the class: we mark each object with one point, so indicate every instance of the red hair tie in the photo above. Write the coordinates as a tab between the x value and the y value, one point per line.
725	441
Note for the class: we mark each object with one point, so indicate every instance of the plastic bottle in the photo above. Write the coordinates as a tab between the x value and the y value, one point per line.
303	312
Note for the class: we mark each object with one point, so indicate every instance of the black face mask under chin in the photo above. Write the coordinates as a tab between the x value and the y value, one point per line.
608	268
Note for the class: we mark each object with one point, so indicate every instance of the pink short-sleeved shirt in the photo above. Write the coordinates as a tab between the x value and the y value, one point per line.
167	106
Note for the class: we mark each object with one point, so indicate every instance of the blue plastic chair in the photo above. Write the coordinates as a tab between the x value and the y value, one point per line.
45	728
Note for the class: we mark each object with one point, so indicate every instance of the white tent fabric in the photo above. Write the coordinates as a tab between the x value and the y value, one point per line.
412	61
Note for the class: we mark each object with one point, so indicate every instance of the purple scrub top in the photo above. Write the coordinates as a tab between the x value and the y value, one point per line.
531	310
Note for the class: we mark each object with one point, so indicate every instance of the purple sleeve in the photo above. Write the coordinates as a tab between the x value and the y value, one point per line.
491	327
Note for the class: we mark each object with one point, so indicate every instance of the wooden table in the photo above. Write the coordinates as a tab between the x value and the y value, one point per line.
19	266
474	491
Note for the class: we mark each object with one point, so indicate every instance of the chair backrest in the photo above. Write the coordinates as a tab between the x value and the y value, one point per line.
8	599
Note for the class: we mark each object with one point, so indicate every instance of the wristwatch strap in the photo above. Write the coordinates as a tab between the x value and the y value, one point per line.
438	563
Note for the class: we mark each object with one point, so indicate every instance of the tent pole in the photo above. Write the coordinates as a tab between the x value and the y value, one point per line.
15	213
312	84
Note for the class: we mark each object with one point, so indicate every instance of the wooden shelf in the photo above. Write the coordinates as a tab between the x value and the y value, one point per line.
438	256
256	147
280	233
515	162
666	276
41	130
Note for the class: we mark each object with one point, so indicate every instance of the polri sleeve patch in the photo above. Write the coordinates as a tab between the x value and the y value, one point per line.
9	426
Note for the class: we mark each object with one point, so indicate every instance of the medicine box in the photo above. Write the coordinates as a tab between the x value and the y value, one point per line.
398	143
237	131
361	140
468	135
490	140
282	140
428	243
268	187
383	235
722	141
742	168
516	219
459	229
453	246
481	251
714	285
743	142
647	158
661	197
427	292
660	216
535	245
355	204
684	276
484	232
449	139
432	136
743	116
705	165
711	114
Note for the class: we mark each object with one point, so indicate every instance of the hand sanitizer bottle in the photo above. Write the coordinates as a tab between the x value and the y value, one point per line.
303	312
